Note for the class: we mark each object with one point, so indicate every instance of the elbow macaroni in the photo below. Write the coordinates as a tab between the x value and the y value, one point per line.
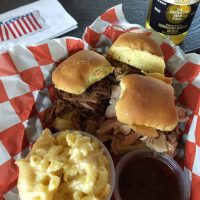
69	166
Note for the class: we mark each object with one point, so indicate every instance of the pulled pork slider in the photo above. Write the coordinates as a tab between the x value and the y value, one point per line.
135	52
148	103
83	92
142	110
80	71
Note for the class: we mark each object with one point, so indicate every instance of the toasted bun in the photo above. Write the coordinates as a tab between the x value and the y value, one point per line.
139	51
146	101
80	71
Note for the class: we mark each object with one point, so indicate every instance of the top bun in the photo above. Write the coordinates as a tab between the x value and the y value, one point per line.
148	102
80	71
139	51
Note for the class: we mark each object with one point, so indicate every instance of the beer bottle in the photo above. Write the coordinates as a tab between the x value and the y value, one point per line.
171	17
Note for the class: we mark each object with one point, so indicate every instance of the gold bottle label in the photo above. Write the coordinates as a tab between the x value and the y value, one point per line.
177	14
172	18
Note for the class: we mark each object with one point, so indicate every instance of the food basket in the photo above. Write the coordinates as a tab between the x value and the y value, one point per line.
27	93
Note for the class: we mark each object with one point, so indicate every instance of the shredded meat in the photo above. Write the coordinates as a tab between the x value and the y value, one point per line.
59	108
112	125
167	142
87	109
93	111
110	111
121	69
95	97
122	137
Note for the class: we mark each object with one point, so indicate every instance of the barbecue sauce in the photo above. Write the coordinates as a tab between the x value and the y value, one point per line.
145	178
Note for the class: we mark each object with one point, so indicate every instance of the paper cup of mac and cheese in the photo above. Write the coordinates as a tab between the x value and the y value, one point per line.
67	165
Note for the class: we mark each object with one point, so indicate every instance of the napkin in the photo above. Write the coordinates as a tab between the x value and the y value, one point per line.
34	23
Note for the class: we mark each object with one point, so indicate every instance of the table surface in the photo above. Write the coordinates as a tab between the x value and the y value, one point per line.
86	11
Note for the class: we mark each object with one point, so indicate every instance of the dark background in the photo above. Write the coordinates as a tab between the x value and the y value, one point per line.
86	11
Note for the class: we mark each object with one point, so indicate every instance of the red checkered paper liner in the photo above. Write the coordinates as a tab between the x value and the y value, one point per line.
26	93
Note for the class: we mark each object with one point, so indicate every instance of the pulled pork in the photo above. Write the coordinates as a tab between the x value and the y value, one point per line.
95	97
93	111
86	110
123	137
122	69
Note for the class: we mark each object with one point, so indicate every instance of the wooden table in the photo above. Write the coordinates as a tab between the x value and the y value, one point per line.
85	11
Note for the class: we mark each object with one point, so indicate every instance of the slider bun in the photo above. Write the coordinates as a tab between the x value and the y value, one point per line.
138	50
146	101
80	71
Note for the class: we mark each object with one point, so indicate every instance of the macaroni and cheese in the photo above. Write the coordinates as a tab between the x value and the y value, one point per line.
69	166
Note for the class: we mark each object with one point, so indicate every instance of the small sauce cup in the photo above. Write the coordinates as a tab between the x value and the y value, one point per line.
145	174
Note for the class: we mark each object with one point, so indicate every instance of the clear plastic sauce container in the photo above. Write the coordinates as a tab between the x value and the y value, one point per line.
145	174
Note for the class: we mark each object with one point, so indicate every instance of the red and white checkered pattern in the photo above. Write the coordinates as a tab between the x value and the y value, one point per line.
26	92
